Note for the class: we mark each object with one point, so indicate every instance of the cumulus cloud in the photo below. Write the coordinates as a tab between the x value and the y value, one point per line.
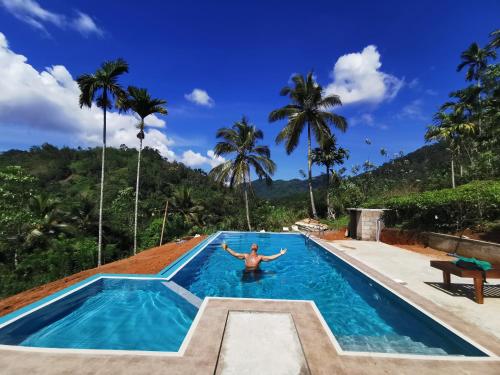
48	100
200	97
357	78
32	13
195	159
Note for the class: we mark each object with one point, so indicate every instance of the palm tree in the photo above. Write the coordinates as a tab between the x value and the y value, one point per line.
476	59
240	141
49	220
495	40
184	204
452	131
328	155
139	101
102	87
308	107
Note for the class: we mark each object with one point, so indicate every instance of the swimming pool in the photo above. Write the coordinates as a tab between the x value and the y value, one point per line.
363	315
155	312
108	313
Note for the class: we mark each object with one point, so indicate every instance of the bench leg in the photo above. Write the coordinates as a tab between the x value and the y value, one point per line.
446	279
478	288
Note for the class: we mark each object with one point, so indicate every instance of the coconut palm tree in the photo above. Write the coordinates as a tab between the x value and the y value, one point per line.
140	101
328	155
102	87
308	107
240	142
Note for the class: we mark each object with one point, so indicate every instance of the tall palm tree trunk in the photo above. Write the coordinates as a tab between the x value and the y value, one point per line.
137	195
329	214
246	206
309	170
101	199
452	172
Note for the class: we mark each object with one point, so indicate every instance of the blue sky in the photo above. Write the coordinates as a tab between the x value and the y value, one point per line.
399	57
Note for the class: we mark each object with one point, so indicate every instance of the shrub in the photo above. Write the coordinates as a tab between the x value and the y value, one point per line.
447	210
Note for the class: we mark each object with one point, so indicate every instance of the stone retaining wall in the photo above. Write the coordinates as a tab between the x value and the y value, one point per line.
465	247
444	242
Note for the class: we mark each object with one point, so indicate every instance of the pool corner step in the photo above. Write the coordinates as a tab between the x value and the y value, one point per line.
184	293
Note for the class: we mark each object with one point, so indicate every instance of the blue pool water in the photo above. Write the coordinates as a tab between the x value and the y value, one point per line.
108	314
362	315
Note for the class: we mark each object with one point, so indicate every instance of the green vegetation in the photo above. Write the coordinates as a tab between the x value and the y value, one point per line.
49	212
448	210
329	155
49	218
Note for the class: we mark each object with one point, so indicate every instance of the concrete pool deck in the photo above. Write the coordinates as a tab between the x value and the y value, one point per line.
204	349
413	269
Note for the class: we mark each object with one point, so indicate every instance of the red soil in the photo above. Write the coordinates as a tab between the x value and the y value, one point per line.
146	262
332	235
411	240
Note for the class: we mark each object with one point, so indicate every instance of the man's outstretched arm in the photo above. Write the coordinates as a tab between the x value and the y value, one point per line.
233	253
268	258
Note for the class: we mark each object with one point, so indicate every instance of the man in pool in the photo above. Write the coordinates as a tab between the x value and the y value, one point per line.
252	259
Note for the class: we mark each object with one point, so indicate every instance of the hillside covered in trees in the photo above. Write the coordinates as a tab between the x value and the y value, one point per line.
49	209
426	168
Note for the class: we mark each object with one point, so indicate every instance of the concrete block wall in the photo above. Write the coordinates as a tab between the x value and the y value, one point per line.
363	223
465	247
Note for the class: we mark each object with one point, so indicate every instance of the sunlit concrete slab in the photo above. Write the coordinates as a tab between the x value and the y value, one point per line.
261	343
413	271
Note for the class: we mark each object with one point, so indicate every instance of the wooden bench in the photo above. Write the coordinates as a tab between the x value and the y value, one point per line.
450	268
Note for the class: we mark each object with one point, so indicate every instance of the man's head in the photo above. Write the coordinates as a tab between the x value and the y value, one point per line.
254	247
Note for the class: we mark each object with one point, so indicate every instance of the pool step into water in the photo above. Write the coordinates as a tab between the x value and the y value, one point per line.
184	293
388	344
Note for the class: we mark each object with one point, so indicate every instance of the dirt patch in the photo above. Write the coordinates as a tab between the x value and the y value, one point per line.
146	262
332	235
412	241
394	236
430	252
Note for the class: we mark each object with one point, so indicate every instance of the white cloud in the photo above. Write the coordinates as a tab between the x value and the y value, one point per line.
195	159
48	101
200	97
366	119
431	92
33	14
414	83
86	25
357	78
413	110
